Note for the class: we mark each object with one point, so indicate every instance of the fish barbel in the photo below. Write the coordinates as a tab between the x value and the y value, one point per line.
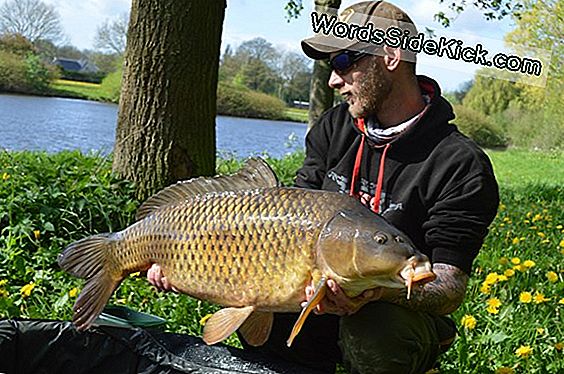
246	243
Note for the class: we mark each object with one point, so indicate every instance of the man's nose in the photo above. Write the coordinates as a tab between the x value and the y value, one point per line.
335	80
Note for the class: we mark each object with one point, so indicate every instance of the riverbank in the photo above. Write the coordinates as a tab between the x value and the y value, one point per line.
96	92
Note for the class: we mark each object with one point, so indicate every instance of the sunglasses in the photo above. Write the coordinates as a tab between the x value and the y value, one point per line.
343	61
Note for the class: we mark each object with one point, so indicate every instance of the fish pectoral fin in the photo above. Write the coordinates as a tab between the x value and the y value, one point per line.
318	295
256	329
224	323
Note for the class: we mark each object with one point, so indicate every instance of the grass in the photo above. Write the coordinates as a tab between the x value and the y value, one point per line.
80	90
296	115
511	321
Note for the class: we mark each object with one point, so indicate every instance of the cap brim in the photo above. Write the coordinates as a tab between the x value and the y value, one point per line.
319	47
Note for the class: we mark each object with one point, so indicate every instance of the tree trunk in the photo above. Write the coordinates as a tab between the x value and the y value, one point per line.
167	108
321	95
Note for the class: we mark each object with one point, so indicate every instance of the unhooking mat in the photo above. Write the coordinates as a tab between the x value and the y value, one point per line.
43	346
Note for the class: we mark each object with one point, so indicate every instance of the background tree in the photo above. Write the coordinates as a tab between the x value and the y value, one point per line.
295	74
321	96
167	109
111	36
32	19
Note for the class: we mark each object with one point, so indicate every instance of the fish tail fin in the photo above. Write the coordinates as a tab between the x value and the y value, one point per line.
90	258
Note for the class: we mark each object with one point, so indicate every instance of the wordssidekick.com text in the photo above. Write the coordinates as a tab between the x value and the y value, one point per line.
397	37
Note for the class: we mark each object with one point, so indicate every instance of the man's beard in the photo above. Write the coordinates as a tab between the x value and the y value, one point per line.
373	90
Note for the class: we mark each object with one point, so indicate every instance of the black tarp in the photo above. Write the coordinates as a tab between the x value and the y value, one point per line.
44	346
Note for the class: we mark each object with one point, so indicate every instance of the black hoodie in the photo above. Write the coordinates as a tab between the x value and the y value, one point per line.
438	186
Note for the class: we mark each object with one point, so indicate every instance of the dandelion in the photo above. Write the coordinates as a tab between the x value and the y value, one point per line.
537	217
5	176
540	330
491	278
502	207
515	260
502	278
73	292
504	370
3	282
561	301
36	233
468	321
205	318
509	273
529	264
515	241
521	268
26	290
539	298
562	243
485	288
559	227
541	234
552	277
493	305
525	297
523	351
136	274
559	346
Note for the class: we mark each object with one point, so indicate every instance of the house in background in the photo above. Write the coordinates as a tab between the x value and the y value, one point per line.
79	70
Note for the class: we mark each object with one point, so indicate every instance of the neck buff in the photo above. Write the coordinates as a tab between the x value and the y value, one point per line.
379	136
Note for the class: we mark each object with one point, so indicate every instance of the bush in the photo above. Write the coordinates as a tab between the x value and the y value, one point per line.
239	101
479	127
12	72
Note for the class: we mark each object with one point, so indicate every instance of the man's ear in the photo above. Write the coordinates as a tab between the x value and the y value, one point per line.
392	58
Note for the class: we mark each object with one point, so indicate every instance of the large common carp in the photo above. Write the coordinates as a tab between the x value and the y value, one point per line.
246	243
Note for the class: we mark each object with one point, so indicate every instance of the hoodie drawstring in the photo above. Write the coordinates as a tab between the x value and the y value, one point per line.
356	172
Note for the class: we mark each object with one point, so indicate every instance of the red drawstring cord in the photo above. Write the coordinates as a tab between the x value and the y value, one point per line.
356	171
378	193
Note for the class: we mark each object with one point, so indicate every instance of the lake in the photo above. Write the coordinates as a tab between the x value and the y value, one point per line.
54	124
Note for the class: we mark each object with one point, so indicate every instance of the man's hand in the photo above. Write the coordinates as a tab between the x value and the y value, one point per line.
336	302
156	277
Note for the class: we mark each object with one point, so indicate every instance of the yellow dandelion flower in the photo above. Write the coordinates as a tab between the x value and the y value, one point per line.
502	207
504	370
523	351
506	219
509	273
529	264
26	290
491	278
552	277
37	234
515	260
73	292
502	278
492	310
559	227
504	260
136	274
468	321
485	288
525	297
205	318
539	298
561	301
541	234
559	346
3	293
5	176
540	330
537	217
515	241
529	214
522	268
3	282
494	302
561	243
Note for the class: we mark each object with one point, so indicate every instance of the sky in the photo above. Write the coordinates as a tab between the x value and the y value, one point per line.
248	19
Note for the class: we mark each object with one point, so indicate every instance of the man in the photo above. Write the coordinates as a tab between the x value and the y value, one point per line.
391	146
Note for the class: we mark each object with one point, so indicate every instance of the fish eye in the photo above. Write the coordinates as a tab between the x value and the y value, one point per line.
399	239
380	238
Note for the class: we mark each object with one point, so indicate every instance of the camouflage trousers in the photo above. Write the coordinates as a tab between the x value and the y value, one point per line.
380	338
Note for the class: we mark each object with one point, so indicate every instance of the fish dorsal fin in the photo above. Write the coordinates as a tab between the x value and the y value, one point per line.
256	173
224	323
257	327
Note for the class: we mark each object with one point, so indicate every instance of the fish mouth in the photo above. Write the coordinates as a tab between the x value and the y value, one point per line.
416	272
